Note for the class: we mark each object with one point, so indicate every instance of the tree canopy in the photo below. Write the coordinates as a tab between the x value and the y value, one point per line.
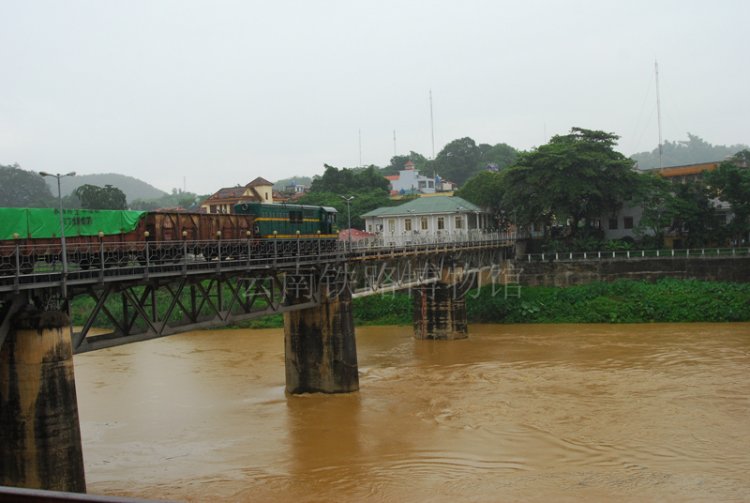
574	179
731	183
487	190
398	162
345	180
462	159
23	189
101	198
367	185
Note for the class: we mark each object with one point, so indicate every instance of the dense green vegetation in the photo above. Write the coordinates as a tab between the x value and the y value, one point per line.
108	197
23	189
622	301
367	186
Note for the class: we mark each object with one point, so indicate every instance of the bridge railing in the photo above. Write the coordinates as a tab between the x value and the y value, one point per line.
41	263
30	263
637	254
408	240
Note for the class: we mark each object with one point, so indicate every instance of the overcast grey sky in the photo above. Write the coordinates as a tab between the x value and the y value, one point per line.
221	91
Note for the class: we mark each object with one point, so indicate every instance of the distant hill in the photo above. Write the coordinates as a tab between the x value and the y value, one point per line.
132	187
680	153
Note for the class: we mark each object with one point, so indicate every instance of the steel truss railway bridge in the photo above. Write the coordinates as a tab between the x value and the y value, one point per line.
136	292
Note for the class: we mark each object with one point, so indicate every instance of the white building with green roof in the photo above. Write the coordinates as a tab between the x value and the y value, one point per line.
428	218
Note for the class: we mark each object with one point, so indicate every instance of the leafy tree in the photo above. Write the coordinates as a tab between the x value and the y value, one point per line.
23	189
656	196
101	198
458	161
462	159
346	181
695	220
498	156
574	178
399	161
367	185
678	153
487	190
731	183
364	201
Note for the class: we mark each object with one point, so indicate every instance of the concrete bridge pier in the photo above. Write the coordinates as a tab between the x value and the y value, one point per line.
439	312
320	348
40	436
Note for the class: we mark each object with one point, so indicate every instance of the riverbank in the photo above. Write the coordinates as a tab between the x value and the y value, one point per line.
621	301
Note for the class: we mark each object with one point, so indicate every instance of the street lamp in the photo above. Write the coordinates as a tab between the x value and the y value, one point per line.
349	218
62	230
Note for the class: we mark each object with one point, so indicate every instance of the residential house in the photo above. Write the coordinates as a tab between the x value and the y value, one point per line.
427	218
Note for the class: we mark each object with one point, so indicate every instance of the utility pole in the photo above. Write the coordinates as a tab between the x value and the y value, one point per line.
62	231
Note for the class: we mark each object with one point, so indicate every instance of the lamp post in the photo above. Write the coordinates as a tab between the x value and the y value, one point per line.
62	230
348	199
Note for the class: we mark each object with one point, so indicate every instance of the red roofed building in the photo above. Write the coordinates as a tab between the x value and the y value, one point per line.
259	190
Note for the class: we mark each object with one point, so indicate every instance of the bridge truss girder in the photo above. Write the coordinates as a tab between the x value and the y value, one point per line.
462	268
146	310
151	306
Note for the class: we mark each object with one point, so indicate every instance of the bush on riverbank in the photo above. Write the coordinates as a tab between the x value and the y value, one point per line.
622	301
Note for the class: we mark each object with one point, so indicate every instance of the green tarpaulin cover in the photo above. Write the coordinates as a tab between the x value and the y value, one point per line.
45	222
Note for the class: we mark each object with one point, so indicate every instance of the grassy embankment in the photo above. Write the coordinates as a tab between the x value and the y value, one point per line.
622	301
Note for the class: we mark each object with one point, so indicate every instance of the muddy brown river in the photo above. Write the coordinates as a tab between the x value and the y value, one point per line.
514	413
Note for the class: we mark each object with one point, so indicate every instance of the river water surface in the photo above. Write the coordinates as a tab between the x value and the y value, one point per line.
514	413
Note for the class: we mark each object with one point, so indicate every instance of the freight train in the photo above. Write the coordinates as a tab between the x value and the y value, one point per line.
111	237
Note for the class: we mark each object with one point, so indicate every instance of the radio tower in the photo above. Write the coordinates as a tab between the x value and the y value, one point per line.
658	112
432	126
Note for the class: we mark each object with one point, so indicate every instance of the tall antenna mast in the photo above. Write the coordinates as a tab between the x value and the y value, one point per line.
658	112
359	132
432	126
394	143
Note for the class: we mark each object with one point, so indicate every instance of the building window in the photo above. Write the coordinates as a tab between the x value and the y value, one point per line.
425	224
612	224
441	223
407	224
391	225
422	184
369	227
431	184
459	222
628	222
